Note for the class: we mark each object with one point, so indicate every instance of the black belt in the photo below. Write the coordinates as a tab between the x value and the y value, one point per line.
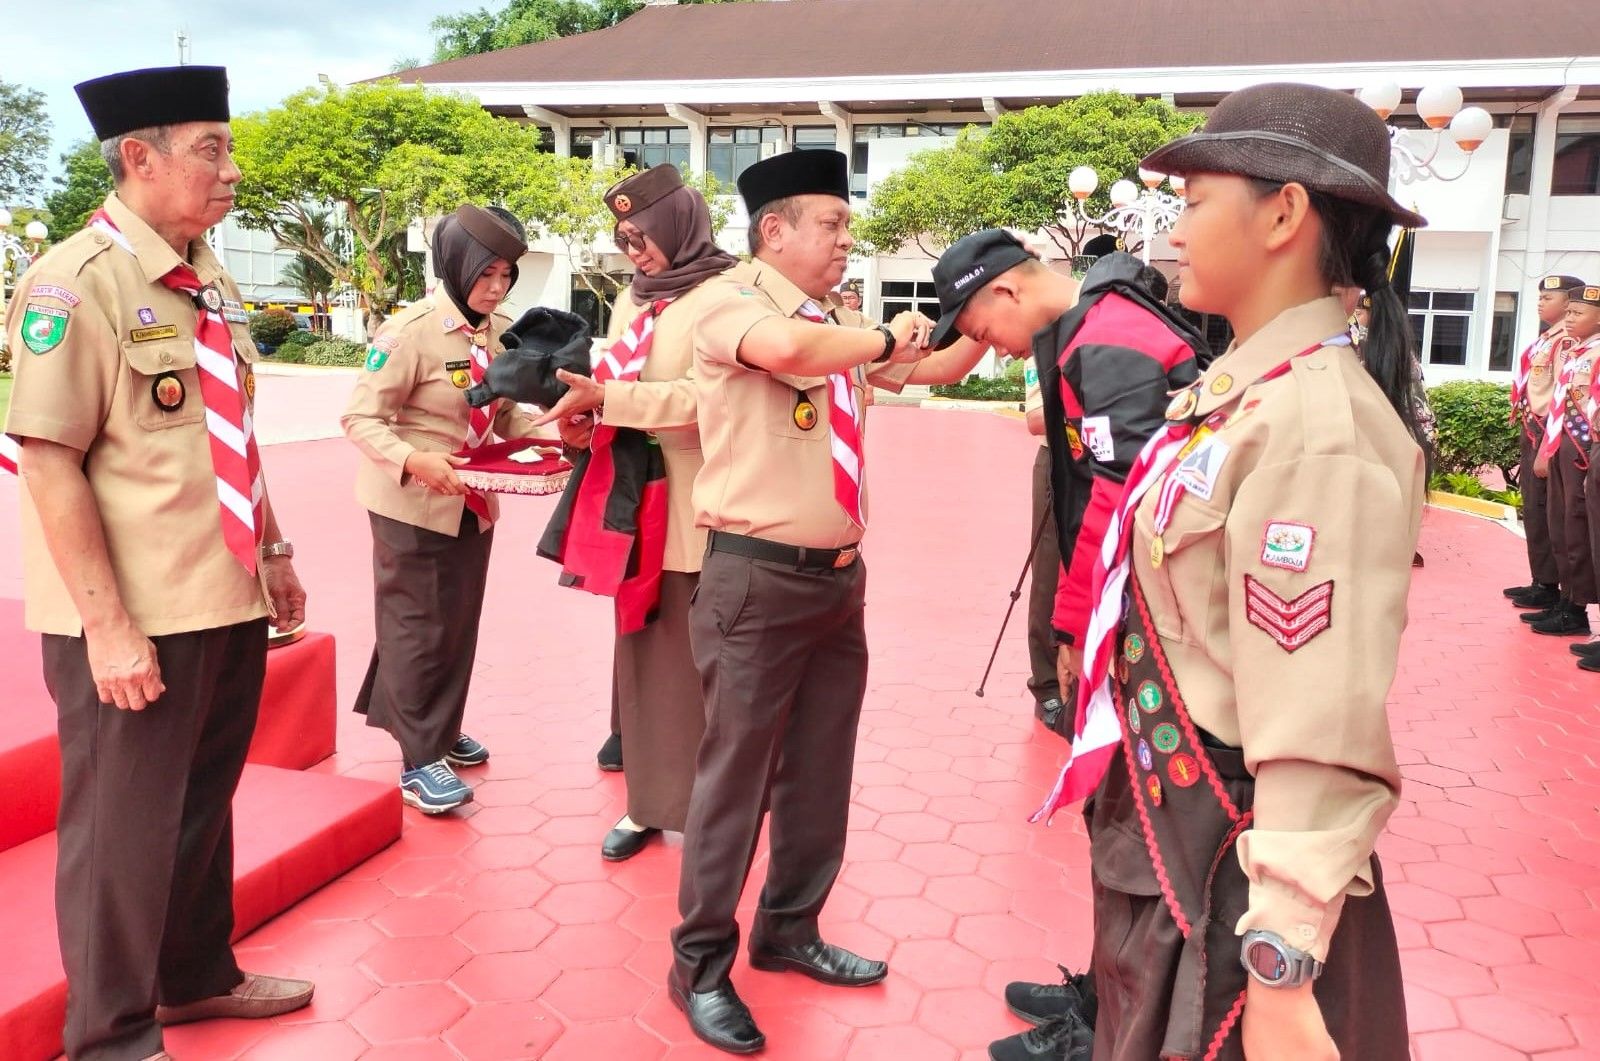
795	556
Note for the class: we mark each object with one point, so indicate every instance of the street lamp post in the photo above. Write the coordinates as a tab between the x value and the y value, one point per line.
16	255
1414	154
1148	211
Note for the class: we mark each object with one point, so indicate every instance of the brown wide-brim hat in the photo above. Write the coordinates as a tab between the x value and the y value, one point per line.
633	195
1325	140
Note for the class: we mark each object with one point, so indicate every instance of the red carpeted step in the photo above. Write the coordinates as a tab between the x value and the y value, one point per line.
294	832
295	728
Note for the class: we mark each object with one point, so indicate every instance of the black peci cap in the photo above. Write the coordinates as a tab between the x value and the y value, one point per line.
1101	245
795	173
163	95
970	263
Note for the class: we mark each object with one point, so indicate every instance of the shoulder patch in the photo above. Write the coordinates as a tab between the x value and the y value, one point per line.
1288	545
43	327
57	292
377	357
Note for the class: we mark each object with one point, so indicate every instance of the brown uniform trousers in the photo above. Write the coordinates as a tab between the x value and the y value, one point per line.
1568	520
1535	513
144	901
1042	680
782	655
656	689
1591	494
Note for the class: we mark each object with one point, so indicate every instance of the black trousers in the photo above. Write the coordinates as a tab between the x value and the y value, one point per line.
782	656
1569	523
1535	515
1042	680
144	873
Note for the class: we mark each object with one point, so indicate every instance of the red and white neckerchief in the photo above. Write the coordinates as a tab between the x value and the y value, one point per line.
1555	420
623	362
235	458
844	427
1097	731
10	454
1519	379
480	421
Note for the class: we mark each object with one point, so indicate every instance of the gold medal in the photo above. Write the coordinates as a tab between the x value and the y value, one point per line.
461	378
805	414
1158	551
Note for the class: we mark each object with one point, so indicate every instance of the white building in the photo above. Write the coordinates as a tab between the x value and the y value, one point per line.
717	87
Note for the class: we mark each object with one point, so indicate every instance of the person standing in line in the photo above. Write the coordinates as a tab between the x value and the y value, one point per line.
1588	653
1044	683
152	560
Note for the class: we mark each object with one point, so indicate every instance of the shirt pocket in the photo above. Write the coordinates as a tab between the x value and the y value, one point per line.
790	409
1184	590
163	383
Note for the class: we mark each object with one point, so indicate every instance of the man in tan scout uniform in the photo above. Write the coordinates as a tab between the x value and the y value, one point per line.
151	560
777	623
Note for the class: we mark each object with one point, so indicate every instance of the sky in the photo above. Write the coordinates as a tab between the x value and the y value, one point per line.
270	48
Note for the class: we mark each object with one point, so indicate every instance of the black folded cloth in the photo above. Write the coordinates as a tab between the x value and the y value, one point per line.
542	341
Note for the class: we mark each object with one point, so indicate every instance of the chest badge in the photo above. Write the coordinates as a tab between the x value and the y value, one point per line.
1222	384
805	414
250	384
211	298
147	315
461	378
167	391
1183	405
1158	551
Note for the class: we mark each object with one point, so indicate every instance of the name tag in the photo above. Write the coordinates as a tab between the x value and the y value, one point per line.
237	316
144	335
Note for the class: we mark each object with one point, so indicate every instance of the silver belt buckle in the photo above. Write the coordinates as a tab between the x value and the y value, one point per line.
845	558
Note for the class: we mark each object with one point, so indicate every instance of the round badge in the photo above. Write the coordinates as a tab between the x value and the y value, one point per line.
1152	785
622	204
1182	407
1122	671
805	415
211	298
1222	384
461	378
1146	760
1158	551
1165	737
250	384
1183	770
1133	648
1150	698
1134	725
167	391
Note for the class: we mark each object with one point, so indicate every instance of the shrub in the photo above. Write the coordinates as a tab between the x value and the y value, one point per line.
1474	428
1016	369
5	358
1465	484
336	352
271	327
978	389
289	354
300	338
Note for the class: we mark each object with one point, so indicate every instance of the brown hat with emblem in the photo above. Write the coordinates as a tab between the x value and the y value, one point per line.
1588	295
1559	282
629	196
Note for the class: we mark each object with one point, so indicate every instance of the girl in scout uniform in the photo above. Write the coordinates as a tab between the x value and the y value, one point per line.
1234	710
664	228
431	535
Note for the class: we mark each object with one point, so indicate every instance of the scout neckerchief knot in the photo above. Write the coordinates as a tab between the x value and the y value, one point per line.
1519	379
480	421
609	533
844	427
1564	416
234	456
1097	732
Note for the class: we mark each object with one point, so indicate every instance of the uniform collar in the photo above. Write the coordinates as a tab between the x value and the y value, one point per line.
452	319
155	256
1290	332
783	292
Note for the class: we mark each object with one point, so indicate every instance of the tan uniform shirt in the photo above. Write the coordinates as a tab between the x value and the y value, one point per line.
1541	376
411	397
1320	489
149	469
662	401
765	475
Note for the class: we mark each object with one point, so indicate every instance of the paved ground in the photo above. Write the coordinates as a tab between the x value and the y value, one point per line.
501	933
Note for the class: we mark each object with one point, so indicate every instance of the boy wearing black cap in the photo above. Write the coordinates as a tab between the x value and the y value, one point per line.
152	560
777	621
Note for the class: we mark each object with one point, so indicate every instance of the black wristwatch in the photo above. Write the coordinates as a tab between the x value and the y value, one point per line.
889	343
1272	962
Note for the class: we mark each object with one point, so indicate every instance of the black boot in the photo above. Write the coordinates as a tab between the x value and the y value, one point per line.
1569	619
1534	596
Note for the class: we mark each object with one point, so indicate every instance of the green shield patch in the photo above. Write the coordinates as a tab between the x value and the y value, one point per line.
43	327
376	358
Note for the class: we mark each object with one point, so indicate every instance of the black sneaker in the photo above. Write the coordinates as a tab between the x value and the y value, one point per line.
1060	1039
1545	613
1535	596
1517	591
1568	620
1586	650
1037	1003
610	757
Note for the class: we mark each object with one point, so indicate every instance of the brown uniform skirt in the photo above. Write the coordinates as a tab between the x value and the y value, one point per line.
656	690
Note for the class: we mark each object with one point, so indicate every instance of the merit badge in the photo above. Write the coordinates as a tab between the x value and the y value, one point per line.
1165	737
1291	623
1134	725
1133	648
1075	443
1183	405
167	391
250	384
160	331
55	291
1158	551
43	327
376	358
1122	671
805	414
211	298
1288	545
1150	697
1183	770
1152	785
1198	471
1146	760
622	204
147	315
1097	435
1222	384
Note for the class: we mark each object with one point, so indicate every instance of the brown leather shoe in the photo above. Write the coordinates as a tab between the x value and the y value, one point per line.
256	996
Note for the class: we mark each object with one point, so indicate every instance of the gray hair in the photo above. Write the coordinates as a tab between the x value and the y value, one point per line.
789	209
158	137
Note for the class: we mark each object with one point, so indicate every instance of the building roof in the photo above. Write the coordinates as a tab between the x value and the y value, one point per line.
929	38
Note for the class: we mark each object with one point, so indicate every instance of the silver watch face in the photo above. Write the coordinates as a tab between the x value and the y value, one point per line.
1265	961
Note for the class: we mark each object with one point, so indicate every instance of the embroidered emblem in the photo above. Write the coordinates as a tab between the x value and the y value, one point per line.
1133	648
461	378
211	298
236	316
1183	405
1097	435
55	291
1122	671
1146	760
250	384
1152	785
1222	384
1198	472
1288	545
147	315
1552	283
1134	725
386	342
167	392
1165	737
622	204
1150	697
377	357
1075	443
1183	770
43	327
1291	623
145	335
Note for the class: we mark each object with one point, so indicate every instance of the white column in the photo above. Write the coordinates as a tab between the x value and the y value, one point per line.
993	108
699	126
1539	182
560	125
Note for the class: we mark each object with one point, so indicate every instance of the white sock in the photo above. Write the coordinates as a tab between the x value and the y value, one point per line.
629	824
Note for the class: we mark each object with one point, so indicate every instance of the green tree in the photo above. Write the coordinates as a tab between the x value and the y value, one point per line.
24	139
1015	174
83	184
528	21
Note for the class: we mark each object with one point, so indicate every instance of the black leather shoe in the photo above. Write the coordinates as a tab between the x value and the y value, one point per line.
610	757
1543	614
718	1017
820	961
1565	622
1585	650
1049	712
622	844
1590	664
1535	597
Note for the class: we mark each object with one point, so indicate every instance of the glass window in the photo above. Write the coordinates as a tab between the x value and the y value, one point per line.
732	151
1519	156
655	145
903	296
1442	323
1577	166
583	141
814	137
1504	332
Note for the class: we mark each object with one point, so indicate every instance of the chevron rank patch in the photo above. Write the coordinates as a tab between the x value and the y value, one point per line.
1293	624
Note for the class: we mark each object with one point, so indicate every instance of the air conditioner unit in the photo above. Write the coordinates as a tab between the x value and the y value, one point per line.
587	258
1515	208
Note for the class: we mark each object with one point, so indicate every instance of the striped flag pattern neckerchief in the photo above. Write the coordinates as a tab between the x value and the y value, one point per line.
844	426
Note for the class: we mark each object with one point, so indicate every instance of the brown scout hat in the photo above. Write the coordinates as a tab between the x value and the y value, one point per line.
1559	282
1588	295
1328	141
632	194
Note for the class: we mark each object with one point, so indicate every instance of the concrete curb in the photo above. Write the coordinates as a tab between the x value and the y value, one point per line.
1008	409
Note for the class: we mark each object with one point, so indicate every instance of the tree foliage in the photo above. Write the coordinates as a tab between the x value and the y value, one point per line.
24	139
1015	173
82	185
528	21
1473	428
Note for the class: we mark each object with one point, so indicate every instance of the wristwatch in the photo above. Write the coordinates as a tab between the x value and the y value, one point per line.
283	549
1271	961
889	343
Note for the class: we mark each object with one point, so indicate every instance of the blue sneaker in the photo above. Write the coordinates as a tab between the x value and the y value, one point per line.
434	788
466	752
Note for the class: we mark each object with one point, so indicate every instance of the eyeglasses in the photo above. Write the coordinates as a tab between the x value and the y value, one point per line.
627	240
